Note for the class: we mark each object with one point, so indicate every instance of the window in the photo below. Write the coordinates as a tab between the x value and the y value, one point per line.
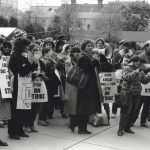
88	26
50	9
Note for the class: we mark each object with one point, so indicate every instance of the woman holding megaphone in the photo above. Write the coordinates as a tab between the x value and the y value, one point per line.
103	53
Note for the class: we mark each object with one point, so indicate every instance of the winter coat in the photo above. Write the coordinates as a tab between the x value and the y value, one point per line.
88	96
52	82
19	65
132	81
71	94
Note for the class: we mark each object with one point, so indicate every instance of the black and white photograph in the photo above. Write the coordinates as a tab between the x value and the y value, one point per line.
74	74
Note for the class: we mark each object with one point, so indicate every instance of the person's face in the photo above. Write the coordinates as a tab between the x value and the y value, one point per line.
125	48
35	50
76	54
48	45
26	49
89	47
120	47
33	40
99	44
137	64
68	51
6	50
60	48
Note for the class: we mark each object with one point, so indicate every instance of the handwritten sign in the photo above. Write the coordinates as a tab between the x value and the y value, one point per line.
109	86
24	93
39	92
5	84
145	89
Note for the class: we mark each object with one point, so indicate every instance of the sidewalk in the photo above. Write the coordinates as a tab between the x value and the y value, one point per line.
58	137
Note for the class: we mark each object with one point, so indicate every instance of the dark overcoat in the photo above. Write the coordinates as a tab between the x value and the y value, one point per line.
88	96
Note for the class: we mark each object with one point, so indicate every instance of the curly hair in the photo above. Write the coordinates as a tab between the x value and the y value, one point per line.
84	43
20	44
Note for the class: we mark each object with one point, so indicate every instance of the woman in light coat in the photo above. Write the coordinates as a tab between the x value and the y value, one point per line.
71	91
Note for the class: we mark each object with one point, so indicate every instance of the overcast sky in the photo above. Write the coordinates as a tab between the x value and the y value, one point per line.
24	4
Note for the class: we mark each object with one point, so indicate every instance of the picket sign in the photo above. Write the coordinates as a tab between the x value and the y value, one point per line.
24	92
145	89
109	86
39	91
5	84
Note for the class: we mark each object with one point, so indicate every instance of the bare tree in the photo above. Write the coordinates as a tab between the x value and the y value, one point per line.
68	19
109	22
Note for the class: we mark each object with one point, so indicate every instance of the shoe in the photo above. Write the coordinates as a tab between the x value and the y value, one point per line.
50	117
14	137
64	116
71	127
84	132
87	132
24	135
108	124
113	116
120	133
80	132
2	124
129	131
28	129
42	123
3	143
33	129
144	125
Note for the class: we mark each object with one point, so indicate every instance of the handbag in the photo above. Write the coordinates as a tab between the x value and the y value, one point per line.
77	77
98	120
121	99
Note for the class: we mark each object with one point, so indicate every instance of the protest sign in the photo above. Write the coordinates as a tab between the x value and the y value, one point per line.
109	86
24	93
145	89
5	84
39	92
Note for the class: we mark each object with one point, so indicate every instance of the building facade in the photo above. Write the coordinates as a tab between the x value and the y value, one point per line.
43	15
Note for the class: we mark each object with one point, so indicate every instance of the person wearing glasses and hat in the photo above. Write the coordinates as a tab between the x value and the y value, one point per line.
132	78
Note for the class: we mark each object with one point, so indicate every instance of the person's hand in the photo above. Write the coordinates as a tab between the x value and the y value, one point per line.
38	55
30	57
140	75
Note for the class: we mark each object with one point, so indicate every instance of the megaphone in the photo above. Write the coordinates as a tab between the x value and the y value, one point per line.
107	51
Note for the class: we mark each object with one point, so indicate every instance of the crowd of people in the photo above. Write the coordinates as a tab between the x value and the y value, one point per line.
45	59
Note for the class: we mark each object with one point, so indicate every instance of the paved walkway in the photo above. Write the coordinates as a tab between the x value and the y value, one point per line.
58	137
